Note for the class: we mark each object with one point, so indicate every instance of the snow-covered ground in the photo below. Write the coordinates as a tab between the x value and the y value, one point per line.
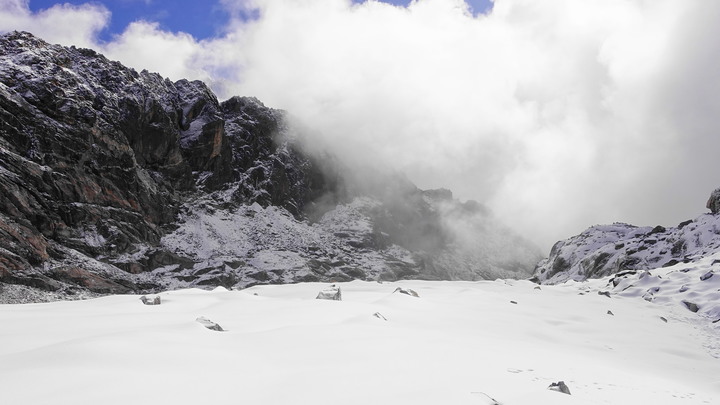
457	343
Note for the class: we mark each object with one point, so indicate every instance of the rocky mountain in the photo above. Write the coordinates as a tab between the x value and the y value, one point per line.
604	250
116	181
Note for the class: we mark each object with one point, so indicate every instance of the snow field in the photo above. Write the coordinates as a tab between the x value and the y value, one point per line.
458	343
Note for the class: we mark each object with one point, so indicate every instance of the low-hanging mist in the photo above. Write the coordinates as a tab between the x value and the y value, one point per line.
556	114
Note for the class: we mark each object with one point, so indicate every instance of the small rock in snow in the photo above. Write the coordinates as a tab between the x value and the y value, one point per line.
605	293
691	306
560	387
406	291
332	293
513	302
609	312
209	324
537	288
485	398
379	316
150	301
684	288
707	275
663	319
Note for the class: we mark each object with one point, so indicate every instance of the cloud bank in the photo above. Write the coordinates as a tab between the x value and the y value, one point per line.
558	114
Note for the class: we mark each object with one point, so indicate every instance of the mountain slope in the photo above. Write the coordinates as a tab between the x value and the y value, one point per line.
657	264
113	181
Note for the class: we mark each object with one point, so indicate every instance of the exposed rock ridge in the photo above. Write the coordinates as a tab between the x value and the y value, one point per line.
97	158
603	250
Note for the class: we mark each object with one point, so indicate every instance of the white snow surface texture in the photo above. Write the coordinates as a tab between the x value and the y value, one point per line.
459	342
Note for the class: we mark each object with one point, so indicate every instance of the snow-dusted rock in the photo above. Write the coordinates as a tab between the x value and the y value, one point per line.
603	250
713	203
209	324
332	293
151	300
560	386
406	291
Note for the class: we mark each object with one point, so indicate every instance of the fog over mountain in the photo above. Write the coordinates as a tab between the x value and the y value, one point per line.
556	114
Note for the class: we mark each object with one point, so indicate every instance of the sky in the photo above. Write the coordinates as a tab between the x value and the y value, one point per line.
557	114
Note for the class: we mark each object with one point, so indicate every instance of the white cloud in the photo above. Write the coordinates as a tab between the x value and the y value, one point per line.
61	23
143	45
559	113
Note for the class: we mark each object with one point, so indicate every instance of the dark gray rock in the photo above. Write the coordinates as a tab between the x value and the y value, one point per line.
691	306
560	386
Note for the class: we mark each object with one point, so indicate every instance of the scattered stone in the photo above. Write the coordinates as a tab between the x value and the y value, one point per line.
406	291
650	294
683	224
332	293
605	293
663	319
691	306
537	288
707	276
560	387
671	262
150	301
684	288
716	321
379	316
486	399
209	324
609	312
513	302
657	229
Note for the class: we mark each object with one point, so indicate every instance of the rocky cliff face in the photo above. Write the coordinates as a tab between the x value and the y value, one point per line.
604	250
116	181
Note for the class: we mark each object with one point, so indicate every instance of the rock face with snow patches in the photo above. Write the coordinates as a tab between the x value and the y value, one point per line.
604	250
115	181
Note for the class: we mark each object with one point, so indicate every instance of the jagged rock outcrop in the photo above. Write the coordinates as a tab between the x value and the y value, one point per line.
603	250
116	181
713	203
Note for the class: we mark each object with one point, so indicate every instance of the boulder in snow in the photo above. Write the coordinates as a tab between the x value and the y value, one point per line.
713	203
560	386
691	306
209	324
150	301
406	291
332	293
378	315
